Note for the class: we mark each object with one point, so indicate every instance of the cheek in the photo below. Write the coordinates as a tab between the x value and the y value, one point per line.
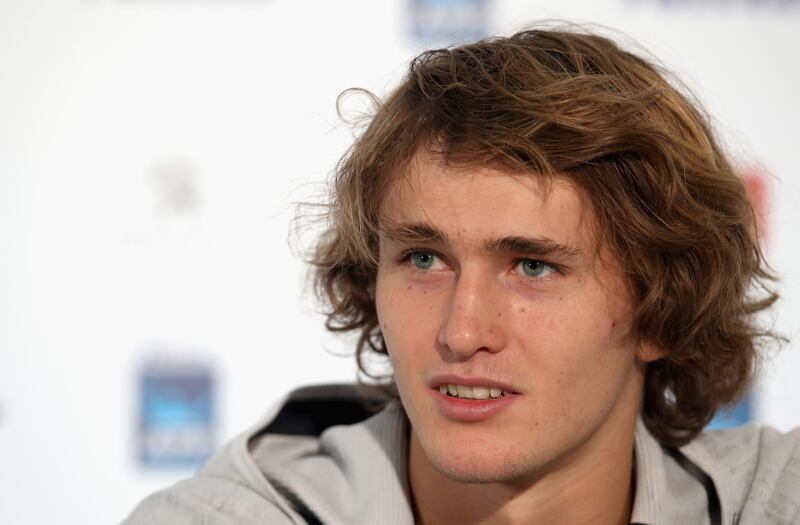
404	317
573	347
402	306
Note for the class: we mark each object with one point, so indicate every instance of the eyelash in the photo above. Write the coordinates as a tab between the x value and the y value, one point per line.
405	257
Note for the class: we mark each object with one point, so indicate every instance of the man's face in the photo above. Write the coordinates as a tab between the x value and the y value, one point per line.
496	281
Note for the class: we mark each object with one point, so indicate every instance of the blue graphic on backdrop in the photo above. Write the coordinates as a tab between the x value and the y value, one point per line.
176	413
736	416
444	22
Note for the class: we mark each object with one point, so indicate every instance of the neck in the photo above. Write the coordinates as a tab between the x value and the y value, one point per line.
592	484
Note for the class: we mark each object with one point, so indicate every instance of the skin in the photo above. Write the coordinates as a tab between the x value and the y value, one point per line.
556	325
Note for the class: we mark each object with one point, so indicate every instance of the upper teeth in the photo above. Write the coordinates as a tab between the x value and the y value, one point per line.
471	392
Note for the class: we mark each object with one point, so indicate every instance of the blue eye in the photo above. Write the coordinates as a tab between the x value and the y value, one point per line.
534	268
422	260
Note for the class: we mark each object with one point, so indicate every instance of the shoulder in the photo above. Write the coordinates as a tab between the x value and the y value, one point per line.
228	490
208	501
756	471
232	488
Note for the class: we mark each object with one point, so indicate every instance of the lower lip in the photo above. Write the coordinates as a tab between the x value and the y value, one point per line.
471	410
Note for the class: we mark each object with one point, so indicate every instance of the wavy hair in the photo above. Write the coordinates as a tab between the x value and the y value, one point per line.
567	102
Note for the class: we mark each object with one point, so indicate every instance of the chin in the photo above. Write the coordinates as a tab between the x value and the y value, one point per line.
479	464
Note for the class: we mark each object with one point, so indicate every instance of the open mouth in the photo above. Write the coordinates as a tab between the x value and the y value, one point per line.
472	392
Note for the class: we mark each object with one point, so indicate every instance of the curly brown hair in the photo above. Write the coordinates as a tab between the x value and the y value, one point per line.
568	102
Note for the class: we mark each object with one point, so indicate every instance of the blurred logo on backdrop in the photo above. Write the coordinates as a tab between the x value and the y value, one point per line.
444	22
176	189
176	411
756	181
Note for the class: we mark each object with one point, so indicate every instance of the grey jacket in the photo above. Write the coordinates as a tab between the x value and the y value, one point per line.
319	457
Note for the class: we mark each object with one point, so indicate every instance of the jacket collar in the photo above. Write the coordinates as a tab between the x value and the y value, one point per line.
678	486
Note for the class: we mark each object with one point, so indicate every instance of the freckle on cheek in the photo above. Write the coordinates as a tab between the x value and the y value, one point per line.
522	309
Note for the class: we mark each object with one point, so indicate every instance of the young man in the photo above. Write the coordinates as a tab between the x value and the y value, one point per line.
543	235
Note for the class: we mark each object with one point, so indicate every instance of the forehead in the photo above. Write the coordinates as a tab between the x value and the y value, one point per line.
479	203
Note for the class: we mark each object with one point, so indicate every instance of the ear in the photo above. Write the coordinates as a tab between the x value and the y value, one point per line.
648	351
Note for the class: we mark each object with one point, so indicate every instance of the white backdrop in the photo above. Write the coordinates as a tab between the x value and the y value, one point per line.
150	155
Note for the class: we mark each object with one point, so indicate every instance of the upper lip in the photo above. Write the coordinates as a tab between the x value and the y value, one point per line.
452	379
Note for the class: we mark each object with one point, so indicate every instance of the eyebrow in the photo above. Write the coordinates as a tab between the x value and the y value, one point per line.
535	246
417	232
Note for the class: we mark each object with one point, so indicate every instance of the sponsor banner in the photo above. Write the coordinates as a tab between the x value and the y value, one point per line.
740	414
445	22
756	182
176	413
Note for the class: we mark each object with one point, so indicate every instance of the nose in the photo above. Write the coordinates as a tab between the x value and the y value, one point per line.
473	321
